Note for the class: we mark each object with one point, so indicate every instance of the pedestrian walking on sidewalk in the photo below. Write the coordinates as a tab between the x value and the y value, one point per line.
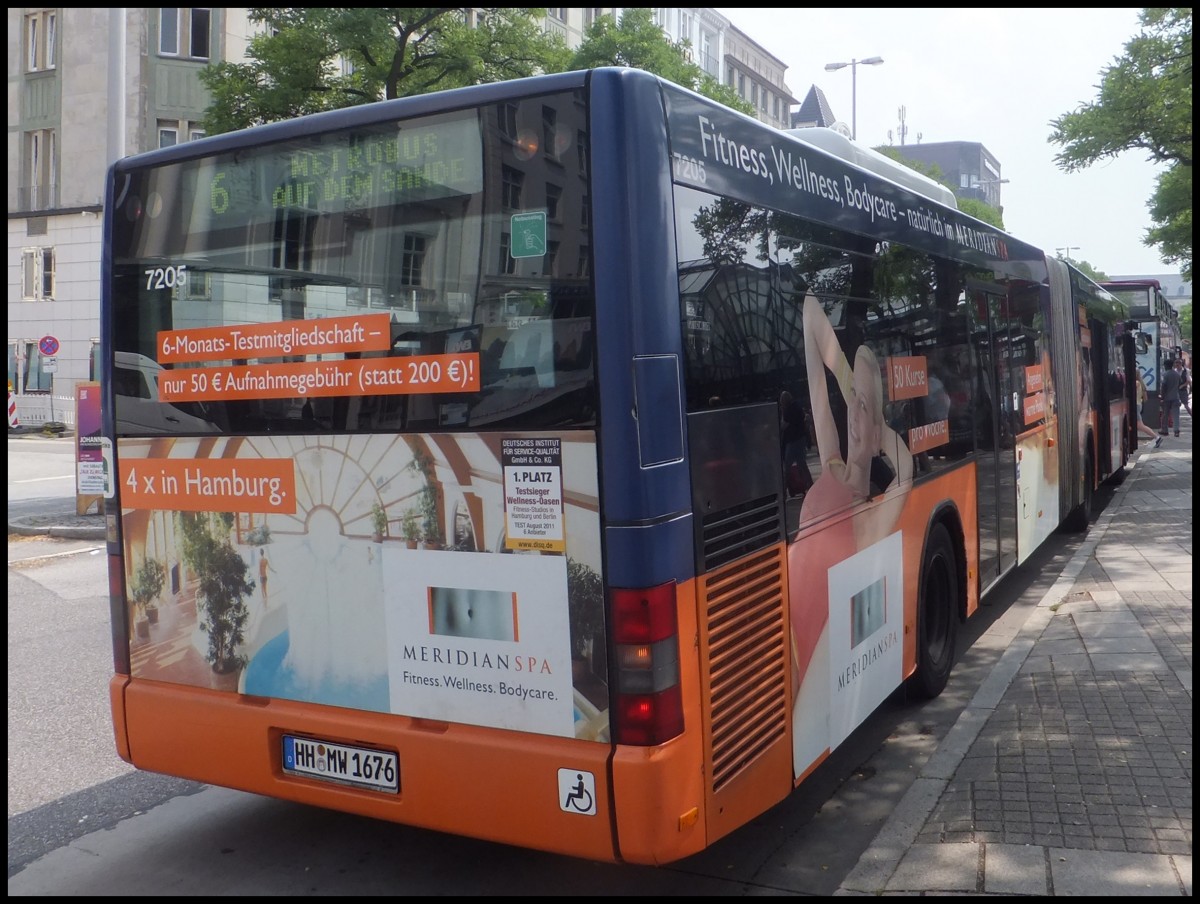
1144	428
1168	394
1185	387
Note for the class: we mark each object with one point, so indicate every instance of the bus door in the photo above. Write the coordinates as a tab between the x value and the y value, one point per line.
999	392
1107	388
1146	351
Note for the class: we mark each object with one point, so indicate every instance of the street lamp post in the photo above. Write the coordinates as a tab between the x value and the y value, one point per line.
980	185
853	64
1065	253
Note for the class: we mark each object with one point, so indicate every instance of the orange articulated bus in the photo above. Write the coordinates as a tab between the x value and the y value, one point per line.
466	498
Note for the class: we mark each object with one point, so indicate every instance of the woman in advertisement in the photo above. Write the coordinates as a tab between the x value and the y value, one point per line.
877	469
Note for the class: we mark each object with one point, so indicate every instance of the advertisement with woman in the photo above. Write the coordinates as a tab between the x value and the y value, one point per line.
848	627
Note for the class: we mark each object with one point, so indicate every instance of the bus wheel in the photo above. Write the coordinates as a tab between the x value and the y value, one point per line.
1119	473
937	617
1081	516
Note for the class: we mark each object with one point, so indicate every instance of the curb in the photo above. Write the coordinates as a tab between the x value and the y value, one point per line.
58	532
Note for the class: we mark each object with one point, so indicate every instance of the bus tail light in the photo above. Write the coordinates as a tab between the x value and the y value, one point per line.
648	704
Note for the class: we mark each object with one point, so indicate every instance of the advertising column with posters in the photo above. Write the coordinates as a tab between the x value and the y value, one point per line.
93	453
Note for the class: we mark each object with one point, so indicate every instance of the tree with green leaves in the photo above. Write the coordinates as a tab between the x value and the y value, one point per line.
310	59
981	210
1087	269
635	41
1144	104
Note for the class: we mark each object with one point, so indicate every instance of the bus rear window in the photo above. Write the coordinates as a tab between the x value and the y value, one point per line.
225	256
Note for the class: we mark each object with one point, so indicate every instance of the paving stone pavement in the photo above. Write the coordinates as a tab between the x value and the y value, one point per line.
1070	772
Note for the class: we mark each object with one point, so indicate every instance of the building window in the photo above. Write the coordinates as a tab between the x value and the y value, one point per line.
25	372
553	196
549	130
185	27
412	264
171	130
510	190
508	263
507	116
168	31
40	39
37	274
197	287
201	25
581	150
40	181
559	13
550	258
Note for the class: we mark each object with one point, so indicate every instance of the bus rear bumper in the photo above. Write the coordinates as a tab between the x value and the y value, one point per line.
491	784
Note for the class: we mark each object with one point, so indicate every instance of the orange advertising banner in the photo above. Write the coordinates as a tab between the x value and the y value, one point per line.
209	485
1035	407
316	379
907	378
1033	378
928	436
325	336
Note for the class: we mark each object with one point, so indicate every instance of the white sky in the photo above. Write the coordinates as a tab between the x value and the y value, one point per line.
995	76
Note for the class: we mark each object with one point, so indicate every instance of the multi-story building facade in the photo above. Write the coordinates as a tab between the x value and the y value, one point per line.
758	77
86	86
90	85
968	166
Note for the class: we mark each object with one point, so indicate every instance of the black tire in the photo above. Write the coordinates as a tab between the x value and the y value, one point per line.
1081	516
937	615
1117	477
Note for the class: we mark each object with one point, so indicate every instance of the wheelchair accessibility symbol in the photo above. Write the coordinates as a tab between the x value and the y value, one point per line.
577	792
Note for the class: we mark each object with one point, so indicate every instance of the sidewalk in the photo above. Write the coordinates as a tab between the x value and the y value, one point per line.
1070	772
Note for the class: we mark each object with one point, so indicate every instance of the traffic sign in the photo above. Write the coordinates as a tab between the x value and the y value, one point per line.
48	345
49	364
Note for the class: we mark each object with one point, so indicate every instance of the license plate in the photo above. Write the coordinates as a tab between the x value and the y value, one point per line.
362	767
